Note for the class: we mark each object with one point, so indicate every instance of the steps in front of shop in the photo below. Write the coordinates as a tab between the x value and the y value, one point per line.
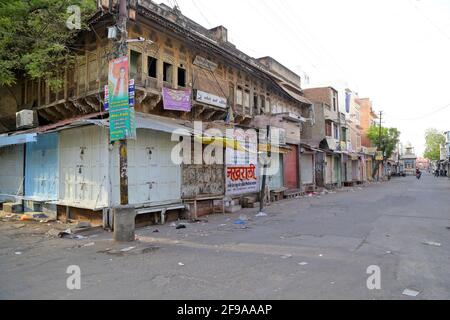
292	194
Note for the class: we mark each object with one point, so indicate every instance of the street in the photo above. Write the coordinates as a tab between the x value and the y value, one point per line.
317	247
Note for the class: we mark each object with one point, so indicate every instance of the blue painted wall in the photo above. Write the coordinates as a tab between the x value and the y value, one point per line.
41	168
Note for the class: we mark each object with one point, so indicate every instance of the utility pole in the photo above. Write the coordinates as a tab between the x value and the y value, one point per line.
122	50
379	142
263	184
124	216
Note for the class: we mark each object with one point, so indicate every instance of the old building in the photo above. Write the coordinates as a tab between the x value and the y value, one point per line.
64	160
367	119
409	158
327	128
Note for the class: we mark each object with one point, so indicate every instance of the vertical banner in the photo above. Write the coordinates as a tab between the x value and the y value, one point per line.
119	108
348	97
106	98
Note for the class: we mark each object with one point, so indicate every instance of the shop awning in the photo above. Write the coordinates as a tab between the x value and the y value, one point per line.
236	145
17	139
162	124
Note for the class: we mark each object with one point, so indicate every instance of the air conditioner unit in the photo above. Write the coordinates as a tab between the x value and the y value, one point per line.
26	119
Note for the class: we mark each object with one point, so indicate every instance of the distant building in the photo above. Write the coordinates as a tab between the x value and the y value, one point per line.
409	158
423	164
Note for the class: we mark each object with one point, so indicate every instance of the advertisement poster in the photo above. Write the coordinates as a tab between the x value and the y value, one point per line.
241	167
178	100
119	109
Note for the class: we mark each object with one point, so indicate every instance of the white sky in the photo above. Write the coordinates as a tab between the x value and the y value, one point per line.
397	52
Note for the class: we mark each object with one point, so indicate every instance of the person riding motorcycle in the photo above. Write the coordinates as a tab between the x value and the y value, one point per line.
418	173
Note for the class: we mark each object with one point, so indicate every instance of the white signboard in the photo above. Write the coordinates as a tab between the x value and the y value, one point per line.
211	99
242	164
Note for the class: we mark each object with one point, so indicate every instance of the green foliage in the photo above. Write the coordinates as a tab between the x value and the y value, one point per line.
433	141
35	40
389	139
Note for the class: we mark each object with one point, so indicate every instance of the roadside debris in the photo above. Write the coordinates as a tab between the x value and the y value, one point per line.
90	244
261	214
156	231
18	226
18	253
83	225
303	263
239	222
127	249
410	293
180	226
286	256
180	264
25	218
243	217
430	243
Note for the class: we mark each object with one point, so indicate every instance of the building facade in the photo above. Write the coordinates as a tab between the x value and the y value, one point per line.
68	161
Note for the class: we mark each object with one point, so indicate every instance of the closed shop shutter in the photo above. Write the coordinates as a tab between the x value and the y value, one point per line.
11	170
84	163
153	178
291	168
307	167
41	168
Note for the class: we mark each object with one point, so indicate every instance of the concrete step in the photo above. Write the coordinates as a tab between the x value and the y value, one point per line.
12	207
233	209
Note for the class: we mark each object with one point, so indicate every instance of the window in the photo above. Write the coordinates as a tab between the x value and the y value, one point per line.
152	64
246	99
255	104
328	128
181	77
239	97
231	96
335	101
167	72
135	64
336	131
262	104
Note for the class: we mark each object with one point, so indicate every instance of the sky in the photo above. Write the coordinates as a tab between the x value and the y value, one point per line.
395	52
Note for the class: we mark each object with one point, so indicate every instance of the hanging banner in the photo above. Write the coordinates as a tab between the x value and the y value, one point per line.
131	90
119	108
177	100
348	97
106	99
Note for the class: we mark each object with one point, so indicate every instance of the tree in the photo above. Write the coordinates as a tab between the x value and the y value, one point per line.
433	141
35	41
390	138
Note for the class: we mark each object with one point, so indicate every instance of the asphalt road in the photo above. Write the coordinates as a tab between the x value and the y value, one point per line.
310	248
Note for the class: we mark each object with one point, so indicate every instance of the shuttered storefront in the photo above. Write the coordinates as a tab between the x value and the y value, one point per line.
11	171
84	167
307	168
290	163
153	178
41	168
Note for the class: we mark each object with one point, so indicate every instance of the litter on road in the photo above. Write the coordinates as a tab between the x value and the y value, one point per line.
410	293
303	263
180	264
430	243
286	256
127	249
261	214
